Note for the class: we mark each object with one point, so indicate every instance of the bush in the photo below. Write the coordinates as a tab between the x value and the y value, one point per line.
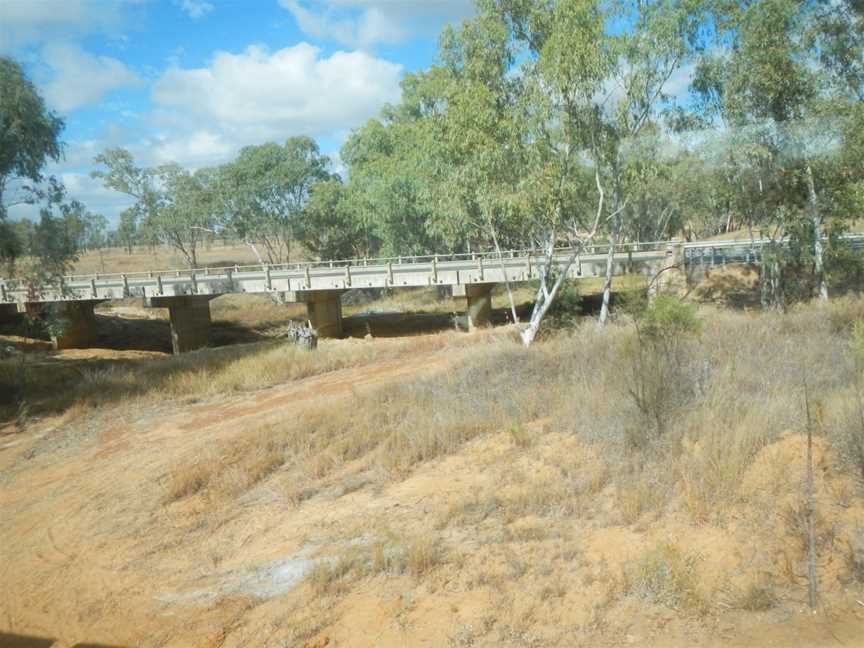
656	379
666	576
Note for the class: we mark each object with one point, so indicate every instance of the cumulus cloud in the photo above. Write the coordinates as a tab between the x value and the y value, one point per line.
89	191
79	78
25	22
195	8
363	23
257	95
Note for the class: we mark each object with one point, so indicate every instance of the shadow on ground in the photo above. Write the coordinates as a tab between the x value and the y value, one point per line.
26	641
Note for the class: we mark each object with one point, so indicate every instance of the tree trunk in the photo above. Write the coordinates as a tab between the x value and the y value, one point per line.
816	221
610	271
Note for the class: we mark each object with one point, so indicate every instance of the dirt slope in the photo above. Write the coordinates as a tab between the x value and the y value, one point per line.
91	550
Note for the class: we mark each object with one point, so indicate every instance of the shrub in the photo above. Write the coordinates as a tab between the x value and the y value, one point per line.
666	576
656	379
758	597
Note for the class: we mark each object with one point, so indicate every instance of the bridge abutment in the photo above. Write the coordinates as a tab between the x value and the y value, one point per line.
190	320
476	301
78	325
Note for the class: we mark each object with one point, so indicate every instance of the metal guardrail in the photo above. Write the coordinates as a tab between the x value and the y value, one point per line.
714	253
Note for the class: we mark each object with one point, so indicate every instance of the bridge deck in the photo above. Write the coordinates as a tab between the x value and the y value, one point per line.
440	270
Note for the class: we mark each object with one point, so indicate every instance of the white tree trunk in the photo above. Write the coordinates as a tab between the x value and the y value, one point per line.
816	220
545	295
607	284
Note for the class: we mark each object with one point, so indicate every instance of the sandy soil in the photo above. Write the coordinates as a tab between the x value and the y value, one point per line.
90	551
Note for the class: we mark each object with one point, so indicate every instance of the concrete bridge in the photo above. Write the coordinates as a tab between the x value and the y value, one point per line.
187	293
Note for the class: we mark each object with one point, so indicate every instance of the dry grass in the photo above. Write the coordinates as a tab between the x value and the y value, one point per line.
747	392
510	476
163	258
667	575
389	556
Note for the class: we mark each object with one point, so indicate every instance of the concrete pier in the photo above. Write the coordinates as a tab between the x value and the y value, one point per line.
671	276
78	325
476	301
324	309
190	320
8	313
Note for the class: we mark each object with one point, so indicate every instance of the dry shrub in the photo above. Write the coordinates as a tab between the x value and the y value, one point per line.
520	436
386	556
758	596
666	575
422	555
228	470
642	490
845	312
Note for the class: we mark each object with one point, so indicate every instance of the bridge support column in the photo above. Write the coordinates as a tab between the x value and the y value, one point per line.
671	275
324	308
190	320
477	303
77	324
8	313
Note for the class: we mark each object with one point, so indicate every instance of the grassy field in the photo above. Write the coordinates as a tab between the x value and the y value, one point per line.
163	258
458	490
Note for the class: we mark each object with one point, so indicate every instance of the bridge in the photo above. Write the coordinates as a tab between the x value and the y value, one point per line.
320	284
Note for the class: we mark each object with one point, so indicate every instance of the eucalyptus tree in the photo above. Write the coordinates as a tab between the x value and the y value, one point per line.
390	185
29	139
786	86
330	227
265	190
598	72
172	205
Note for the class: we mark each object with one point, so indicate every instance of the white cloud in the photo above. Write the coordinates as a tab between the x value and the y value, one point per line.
89	191
195	8
678	85
79	78
363	23
257	95
24	22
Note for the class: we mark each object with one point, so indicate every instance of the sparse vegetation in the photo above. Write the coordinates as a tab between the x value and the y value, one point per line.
511	475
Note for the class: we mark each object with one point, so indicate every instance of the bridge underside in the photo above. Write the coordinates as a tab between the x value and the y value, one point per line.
188	298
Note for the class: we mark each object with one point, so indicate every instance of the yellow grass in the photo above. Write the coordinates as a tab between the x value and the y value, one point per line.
498	501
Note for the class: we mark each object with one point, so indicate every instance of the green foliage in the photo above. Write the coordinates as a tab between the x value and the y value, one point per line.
658	381
172	205
667	320
567	307
29	137
330	227
264	192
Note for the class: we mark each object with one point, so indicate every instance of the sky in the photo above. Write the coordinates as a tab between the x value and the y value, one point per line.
193	81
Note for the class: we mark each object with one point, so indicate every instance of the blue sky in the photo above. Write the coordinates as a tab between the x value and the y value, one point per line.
192	81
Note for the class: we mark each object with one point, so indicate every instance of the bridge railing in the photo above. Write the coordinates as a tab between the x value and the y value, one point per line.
697	252
488	256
